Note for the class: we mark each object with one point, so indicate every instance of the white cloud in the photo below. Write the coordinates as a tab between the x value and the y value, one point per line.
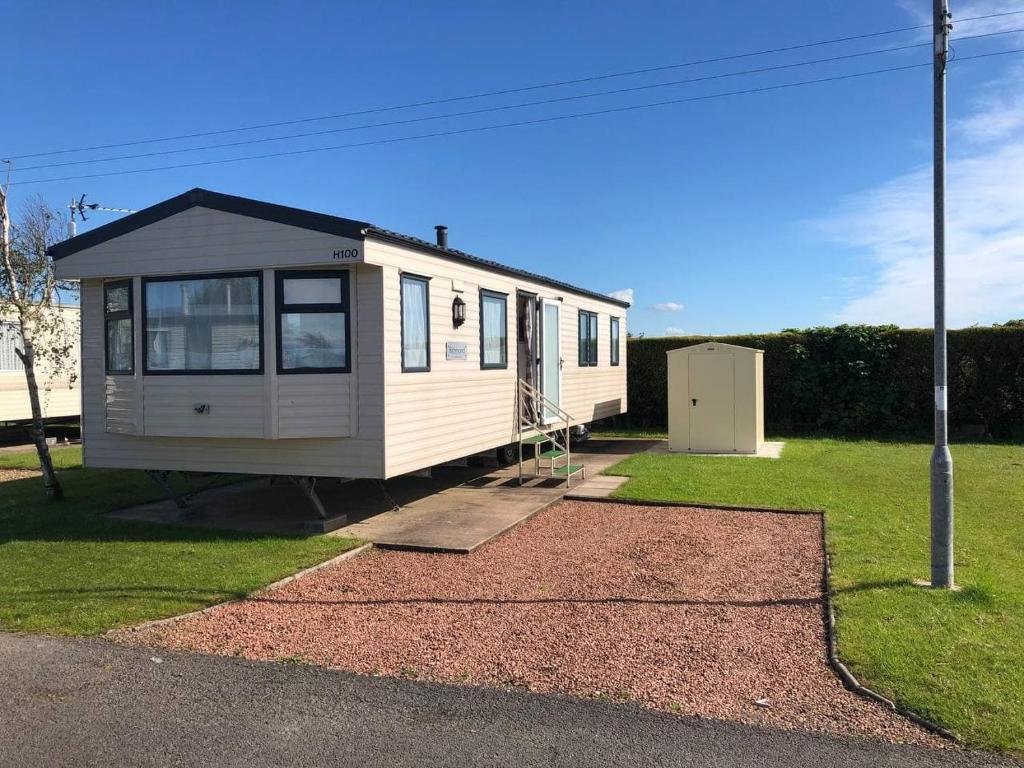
673	331
626	294
892	226
669	306
999	113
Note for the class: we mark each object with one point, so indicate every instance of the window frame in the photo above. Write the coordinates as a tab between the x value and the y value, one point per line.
280	308
615	341
587	342
486	293
402	277
124	314
258	371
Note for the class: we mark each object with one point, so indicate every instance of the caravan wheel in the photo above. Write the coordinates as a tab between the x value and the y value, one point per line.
507	454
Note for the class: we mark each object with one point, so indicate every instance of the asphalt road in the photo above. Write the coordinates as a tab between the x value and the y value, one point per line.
93	703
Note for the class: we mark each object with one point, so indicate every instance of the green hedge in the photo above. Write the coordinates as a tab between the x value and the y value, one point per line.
859	380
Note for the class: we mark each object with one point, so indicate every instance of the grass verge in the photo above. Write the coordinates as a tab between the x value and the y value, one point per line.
67	568
956	658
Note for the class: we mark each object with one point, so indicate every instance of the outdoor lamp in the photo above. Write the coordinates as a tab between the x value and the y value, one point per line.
458	312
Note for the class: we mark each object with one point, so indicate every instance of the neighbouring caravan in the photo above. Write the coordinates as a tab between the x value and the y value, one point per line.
222	334
60	394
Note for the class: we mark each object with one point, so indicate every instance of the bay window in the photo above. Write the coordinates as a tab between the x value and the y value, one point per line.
119	331
203	324
313	322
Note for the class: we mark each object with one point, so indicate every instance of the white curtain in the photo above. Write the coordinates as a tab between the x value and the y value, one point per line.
494	330
414	323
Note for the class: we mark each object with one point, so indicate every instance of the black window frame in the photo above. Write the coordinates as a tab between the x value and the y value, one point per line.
587	341
126	314
402	277
615	341
280	308
258	371
504	357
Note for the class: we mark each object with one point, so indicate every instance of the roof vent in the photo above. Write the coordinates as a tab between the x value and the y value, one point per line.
442	235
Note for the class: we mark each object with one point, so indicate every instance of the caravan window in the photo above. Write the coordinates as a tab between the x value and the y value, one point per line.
119	327
493	330
615	341
415	323
203	324
313	322
10	340
588	338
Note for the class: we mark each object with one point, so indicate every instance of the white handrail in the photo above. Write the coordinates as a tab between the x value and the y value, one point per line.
546	402
525	389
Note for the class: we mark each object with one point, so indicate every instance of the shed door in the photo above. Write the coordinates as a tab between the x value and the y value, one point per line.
712	403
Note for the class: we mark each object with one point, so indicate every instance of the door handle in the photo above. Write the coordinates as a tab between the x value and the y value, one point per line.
693	400
561	363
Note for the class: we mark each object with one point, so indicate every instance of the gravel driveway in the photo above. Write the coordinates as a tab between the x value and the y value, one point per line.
693	611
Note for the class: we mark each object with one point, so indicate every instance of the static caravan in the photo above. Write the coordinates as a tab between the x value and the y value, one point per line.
60	395
222	334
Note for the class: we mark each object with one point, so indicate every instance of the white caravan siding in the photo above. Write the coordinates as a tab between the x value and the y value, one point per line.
457	409
311	424
204	240
60	396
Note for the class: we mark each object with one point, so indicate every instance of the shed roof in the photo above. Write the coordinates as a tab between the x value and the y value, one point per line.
713	343
296	217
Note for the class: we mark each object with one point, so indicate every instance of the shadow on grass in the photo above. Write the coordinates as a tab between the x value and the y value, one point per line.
147	591
83	516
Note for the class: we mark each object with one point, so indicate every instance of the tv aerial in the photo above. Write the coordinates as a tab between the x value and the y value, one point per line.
79	207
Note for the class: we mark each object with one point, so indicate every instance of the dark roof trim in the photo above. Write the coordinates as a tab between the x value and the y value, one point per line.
243	206
468	258
296	217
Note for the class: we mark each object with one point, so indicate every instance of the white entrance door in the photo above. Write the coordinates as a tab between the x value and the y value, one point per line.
550	357
712	412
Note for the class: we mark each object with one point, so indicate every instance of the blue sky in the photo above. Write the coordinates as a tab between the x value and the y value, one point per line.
797	207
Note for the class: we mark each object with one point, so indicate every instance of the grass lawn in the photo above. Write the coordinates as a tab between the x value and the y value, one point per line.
956	658
66	568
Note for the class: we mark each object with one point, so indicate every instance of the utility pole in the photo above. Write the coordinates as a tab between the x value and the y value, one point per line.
942	460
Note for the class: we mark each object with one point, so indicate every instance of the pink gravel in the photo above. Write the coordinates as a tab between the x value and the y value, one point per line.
691	611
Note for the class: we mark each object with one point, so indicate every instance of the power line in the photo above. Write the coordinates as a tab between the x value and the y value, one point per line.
505	107
535	121
466	113
508	91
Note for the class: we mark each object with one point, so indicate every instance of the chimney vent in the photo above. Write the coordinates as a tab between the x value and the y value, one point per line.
442	235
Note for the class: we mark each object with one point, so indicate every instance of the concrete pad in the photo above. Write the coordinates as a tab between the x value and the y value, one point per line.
457	509
600	487
768	450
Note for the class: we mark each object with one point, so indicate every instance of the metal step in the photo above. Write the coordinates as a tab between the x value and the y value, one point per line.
554	453
567	471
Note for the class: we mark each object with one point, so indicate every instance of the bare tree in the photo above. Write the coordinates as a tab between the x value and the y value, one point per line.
30	290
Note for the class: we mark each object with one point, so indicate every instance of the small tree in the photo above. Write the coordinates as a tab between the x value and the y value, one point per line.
28	290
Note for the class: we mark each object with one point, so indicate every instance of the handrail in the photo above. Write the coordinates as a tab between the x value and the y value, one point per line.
525	389
553	406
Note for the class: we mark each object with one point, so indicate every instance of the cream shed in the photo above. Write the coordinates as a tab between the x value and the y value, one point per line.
716	398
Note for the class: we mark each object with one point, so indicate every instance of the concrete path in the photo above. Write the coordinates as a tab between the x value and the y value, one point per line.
92	703
466	516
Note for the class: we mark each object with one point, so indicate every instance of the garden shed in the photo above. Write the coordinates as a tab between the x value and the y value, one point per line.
716	398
